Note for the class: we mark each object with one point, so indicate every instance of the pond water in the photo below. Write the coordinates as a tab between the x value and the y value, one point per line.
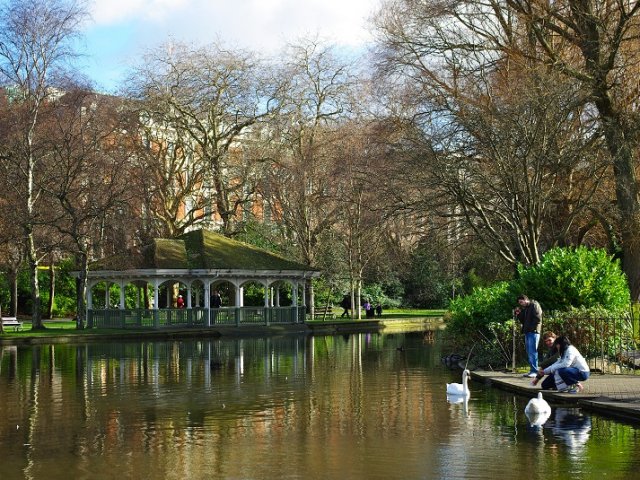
351	406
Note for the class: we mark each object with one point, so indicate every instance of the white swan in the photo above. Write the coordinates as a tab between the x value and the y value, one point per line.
537	419
460	388
537	406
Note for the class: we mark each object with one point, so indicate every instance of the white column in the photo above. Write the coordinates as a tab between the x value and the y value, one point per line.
277	295
107	299
240	297
207	302
122	294
156	317
89	297
155	293
189	295
294	301
266	296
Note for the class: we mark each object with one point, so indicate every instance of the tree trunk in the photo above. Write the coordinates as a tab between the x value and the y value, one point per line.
81	292
36	316
312	299
359	297
52	290
13	280
621	147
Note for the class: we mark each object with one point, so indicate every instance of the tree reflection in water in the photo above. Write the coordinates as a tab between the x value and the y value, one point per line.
345	406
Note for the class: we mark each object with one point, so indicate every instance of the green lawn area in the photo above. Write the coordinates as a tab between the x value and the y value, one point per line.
55	327
411	313
388	314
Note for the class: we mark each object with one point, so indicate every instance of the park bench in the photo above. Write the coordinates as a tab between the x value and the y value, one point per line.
323	312
12	322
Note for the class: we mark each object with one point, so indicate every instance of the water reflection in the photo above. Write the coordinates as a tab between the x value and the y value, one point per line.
537	419
571	426
461	401
352	406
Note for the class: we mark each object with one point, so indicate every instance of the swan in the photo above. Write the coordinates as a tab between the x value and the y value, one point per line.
460	388
537	406
537	419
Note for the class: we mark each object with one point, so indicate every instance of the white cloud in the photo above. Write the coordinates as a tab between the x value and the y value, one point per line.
257	24
123	29
113	11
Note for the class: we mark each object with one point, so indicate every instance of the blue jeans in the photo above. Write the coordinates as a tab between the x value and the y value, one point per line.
572	375
531	340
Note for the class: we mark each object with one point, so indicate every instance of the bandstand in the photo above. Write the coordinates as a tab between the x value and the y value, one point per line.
142	288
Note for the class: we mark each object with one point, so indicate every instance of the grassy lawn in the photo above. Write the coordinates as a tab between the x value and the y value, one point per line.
411	313
389	314
56	327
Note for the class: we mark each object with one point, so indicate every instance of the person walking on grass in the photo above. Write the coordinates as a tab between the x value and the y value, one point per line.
529	313
346	305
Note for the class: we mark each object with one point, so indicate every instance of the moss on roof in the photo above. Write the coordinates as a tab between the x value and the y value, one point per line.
199	249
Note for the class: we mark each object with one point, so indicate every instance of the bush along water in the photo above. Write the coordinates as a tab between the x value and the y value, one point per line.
566	281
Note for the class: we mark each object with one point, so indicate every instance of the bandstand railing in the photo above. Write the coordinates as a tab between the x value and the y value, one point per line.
193	317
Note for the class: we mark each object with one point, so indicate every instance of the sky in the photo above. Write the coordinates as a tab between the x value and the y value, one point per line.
120	31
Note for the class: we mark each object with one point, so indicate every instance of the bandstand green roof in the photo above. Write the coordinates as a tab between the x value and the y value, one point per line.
198	250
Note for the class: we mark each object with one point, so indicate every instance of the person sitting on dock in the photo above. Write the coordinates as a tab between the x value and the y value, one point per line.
569	370
547	360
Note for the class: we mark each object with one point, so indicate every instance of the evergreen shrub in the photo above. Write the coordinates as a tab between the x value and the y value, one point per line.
566	280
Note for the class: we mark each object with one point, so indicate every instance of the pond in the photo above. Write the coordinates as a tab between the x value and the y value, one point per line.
346	406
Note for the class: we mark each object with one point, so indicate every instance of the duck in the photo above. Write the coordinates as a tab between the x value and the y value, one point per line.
452	360
460	388
537	405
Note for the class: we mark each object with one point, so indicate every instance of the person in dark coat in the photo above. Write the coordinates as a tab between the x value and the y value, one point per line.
529	314
346	304
216	303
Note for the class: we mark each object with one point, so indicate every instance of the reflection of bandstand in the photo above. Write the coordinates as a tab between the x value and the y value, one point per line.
141	288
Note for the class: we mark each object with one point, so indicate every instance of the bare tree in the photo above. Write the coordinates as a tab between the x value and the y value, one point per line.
168	175
361	222
592	42
505	147
36	40
202	106
318	96
87	177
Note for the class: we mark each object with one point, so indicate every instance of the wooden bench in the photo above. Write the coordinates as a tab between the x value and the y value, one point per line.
11	322
323	312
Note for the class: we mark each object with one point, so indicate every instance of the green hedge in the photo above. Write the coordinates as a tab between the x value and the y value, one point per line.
565	280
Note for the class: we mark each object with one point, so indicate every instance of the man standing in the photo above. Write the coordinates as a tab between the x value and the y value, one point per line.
530	315
346	305
216	303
